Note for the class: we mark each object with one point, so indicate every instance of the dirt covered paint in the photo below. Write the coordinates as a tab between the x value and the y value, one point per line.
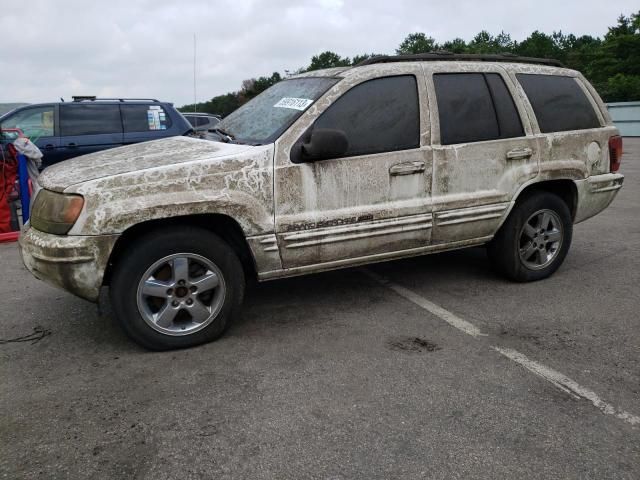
76	264
304	217
134	158
169	178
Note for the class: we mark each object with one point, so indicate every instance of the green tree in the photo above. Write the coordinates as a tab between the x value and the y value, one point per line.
484	42
616	67
457	45
416	43
539	45
328	60
504	43
255	86
622	88
581	52
612	64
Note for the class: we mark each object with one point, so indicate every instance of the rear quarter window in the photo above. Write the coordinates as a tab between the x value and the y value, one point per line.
558	102
145	118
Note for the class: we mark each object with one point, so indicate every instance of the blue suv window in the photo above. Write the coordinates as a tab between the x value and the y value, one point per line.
34	122
89	120
145	118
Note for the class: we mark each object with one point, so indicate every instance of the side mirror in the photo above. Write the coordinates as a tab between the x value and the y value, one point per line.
325	143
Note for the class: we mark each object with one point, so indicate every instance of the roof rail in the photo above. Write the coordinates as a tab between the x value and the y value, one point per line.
473	57
88	98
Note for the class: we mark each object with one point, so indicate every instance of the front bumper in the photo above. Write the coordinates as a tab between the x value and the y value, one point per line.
595	193
73	263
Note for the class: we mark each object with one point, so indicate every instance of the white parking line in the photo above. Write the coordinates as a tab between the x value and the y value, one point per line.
566	384
438	311
557	379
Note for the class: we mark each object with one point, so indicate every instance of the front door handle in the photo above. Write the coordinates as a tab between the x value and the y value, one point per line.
519	153
407	168
72	145
48	146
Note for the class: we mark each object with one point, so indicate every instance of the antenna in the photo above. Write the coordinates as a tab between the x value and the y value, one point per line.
195	108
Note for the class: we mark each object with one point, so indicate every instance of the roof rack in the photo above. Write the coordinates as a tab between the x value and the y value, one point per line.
473	57
89	98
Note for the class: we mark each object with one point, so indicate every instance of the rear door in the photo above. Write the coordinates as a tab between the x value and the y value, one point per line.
483	149
89	127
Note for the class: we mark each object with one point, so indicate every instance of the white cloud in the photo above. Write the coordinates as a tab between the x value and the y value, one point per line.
144	47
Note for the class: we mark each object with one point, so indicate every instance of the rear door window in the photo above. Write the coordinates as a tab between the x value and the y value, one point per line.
509	122
475	107
381	115
89	119
145	118
558	102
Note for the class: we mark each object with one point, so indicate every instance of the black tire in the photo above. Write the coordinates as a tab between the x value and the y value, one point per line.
155	246
511	243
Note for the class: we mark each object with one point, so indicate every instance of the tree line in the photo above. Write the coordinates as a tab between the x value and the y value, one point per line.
610	63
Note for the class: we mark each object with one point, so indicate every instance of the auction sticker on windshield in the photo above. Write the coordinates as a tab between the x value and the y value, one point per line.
295	103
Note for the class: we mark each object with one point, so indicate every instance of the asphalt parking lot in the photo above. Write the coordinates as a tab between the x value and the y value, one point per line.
431	367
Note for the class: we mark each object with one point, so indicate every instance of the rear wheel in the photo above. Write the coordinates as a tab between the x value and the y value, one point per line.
177	288
534	240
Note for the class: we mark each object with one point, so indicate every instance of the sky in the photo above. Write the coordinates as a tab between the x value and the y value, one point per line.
144	48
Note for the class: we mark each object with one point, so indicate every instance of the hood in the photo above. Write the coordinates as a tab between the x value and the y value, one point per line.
133	158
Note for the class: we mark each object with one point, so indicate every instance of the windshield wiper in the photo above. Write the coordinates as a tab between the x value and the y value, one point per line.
226	136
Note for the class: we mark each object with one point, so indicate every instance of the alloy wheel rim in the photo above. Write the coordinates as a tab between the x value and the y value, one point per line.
181	294
540	239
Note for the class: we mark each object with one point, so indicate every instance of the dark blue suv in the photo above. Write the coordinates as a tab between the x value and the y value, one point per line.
88	124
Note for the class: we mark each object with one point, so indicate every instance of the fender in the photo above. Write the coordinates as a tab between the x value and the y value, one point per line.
240	186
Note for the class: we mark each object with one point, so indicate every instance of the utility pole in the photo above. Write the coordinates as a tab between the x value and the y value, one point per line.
195	108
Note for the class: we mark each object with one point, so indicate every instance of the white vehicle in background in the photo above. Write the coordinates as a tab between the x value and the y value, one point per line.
202	122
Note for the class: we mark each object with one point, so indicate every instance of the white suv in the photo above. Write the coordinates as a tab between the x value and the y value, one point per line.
398	156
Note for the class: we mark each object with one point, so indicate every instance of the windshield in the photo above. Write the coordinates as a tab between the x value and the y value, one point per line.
265	117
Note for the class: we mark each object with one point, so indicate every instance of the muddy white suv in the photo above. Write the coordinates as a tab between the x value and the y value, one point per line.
396	157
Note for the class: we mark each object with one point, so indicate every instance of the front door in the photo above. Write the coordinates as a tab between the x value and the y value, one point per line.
483	150
374	199
39	123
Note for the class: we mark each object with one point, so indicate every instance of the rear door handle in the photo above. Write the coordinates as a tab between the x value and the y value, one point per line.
519	153
407	168
72	145
49	146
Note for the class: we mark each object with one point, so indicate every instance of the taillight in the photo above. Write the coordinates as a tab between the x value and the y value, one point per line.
615	153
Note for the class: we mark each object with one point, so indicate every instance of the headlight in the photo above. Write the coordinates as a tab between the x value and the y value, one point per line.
54	212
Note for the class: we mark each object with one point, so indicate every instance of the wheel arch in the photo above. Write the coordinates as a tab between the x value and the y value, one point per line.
564	188
222	225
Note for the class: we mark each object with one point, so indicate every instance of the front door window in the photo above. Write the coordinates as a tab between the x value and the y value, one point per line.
34	122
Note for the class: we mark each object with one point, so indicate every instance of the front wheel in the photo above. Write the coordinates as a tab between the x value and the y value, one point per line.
177	288
534	240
